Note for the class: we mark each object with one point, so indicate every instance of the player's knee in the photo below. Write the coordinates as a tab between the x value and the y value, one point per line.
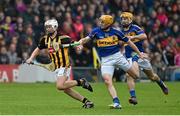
134	75
107	81
129	78
59	87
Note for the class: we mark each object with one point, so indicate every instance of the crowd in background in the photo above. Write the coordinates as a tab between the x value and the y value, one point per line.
22	25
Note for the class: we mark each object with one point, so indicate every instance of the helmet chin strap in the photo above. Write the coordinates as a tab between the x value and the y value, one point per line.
50	34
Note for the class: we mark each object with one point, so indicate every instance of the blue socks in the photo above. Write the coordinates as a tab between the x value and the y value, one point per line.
116	100
132	93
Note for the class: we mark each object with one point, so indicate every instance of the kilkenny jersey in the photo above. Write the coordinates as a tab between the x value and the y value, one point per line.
107	41
59	57
132	31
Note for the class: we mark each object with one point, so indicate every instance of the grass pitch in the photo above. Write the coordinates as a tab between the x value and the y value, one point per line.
29	99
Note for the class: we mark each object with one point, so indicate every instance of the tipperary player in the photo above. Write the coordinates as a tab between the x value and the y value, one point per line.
60	58
137	36
107	39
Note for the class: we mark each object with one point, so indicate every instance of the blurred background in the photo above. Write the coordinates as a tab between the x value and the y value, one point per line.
22	25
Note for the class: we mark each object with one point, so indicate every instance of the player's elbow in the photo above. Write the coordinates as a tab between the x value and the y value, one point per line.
129	42
144	36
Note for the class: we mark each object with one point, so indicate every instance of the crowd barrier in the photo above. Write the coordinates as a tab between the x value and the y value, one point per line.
29	74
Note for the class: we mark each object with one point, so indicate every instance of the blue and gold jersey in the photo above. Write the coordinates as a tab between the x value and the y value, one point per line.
132	31
107	41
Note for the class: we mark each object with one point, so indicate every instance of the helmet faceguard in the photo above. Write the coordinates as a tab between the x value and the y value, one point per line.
126	18
51	26
106	21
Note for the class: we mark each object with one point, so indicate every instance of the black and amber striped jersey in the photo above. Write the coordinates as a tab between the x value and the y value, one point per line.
60	57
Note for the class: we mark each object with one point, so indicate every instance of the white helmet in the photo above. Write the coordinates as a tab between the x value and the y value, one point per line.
53	23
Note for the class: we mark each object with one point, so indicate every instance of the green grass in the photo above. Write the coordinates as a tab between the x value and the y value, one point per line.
46	100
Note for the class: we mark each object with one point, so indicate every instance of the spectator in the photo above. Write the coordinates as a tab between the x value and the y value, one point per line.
4	59
159	67
168	55
1	40
79	60
20	6
22	21
162	17
177	58
12	54
8	27
78	26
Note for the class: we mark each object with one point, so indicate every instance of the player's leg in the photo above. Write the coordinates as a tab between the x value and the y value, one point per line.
123	63
128	67
61	85
107	71
131	85
132	70
154	77
74	94
63	82
109	84
148	70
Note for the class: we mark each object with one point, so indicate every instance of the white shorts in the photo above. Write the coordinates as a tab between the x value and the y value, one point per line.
143	63
108	63
63	71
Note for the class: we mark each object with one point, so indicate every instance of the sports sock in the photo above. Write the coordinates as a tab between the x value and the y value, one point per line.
85	100
132	93
78	82
116	100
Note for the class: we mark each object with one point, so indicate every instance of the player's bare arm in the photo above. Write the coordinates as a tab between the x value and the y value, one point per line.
84	40
33	55
142	36
133	46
